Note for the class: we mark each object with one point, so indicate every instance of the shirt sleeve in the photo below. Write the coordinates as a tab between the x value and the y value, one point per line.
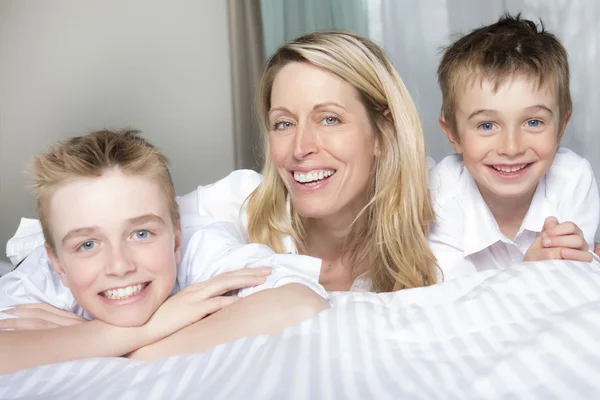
34	281
222	200
580	202
446	233
445	241
218	247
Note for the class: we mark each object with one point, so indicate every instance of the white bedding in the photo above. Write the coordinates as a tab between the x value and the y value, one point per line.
529	332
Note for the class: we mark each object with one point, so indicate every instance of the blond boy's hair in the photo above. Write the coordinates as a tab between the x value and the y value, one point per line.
91	156
392	242
498	51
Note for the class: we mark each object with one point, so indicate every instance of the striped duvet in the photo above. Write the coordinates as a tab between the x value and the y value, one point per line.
531	331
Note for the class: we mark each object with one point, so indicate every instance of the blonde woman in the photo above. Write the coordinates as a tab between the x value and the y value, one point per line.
345	172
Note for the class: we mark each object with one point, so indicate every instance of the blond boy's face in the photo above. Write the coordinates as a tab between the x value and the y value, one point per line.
508	137
116	248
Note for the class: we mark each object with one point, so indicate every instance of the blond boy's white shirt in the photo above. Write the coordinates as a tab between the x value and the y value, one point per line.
465	237
209	248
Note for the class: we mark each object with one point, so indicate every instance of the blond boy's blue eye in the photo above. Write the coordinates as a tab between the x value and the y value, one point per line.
534	123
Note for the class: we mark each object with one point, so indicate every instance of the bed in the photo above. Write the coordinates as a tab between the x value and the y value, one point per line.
531	331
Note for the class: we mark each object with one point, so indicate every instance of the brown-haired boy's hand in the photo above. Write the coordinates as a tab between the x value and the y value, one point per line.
38	316
559	241
200	300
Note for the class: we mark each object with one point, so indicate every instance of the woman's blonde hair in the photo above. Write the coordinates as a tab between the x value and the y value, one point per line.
393	240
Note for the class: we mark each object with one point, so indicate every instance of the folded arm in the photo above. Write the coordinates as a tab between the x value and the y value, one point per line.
265	312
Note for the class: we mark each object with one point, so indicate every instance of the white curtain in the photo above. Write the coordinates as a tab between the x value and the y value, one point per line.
285	20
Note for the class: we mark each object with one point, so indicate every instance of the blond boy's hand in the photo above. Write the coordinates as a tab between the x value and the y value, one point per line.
597	249
38	316
559	241
200	300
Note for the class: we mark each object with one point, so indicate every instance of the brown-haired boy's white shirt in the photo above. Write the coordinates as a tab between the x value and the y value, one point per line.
465	237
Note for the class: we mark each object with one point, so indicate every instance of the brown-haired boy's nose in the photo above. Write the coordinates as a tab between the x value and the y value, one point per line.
511	143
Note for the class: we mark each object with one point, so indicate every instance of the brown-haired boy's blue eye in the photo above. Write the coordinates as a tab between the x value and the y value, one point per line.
487	126
142	234
87	246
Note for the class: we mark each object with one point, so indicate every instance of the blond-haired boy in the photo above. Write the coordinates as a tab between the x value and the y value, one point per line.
111	224
510	193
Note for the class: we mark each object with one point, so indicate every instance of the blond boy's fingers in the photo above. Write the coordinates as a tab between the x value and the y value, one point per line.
221	284
43	315
569	241
51	309
26	324
263	271
215	304
597	249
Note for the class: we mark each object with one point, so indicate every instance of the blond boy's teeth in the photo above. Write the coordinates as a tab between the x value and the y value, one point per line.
313	176
514	168
123	293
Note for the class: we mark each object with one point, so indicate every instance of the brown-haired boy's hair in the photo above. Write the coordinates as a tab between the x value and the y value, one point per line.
496	52
92	155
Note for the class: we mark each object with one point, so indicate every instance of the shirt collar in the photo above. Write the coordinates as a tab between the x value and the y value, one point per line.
482	230
539	210
480	227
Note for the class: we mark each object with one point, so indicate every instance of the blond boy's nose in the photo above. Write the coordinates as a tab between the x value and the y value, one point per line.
121	264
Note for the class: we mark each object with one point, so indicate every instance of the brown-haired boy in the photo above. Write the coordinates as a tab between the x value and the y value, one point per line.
511	193
113	238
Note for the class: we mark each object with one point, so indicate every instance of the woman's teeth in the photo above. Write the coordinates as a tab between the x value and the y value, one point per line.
313	176
123	293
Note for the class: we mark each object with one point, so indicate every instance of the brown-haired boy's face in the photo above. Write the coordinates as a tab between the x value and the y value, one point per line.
116	248
509	136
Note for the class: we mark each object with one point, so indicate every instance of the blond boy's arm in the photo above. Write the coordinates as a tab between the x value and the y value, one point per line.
264	312
26	349
22	349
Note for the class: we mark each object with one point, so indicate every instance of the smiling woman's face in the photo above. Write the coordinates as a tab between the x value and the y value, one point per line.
321	141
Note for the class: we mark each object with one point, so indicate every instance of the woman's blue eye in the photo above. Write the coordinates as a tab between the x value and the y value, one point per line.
330	120
87	246
283	125
142	234
487	126
534	123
